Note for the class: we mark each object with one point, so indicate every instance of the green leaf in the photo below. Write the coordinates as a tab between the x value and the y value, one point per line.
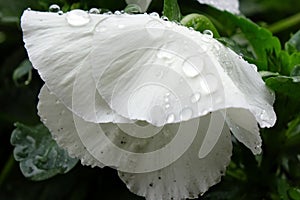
172	10
39	156
289	86
24	69
293	137
262	41
282	188
199	23
294	193
293	128
293	45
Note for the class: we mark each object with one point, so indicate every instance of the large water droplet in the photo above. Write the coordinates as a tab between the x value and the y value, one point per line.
195	97
78	18
190	70
94	11
54	8
186	114
170	118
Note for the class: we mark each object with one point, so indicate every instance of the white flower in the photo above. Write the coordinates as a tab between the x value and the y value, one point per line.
145	96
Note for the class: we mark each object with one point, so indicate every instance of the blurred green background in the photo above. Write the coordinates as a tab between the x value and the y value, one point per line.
18	104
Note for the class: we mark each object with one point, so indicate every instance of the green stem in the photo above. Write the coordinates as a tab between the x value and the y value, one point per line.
6	169
285	23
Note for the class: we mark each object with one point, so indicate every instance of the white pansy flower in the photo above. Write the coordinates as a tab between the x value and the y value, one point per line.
150	98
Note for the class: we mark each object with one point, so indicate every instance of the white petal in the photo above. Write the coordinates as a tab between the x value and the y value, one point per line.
143	4
129	149
188	176
244	127
60	52
59	120
228	5
87	103
249	83
186	76
174	75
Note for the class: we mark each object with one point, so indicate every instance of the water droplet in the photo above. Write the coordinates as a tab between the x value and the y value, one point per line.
54	8
117	12
195	97
165	18
78	18
189	69
208	33
94	11
170	118
186	113
154	14
191	28
60	12
28	9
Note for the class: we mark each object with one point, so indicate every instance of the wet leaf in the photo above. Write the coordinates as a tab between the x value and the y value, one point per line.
39	156
293	45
